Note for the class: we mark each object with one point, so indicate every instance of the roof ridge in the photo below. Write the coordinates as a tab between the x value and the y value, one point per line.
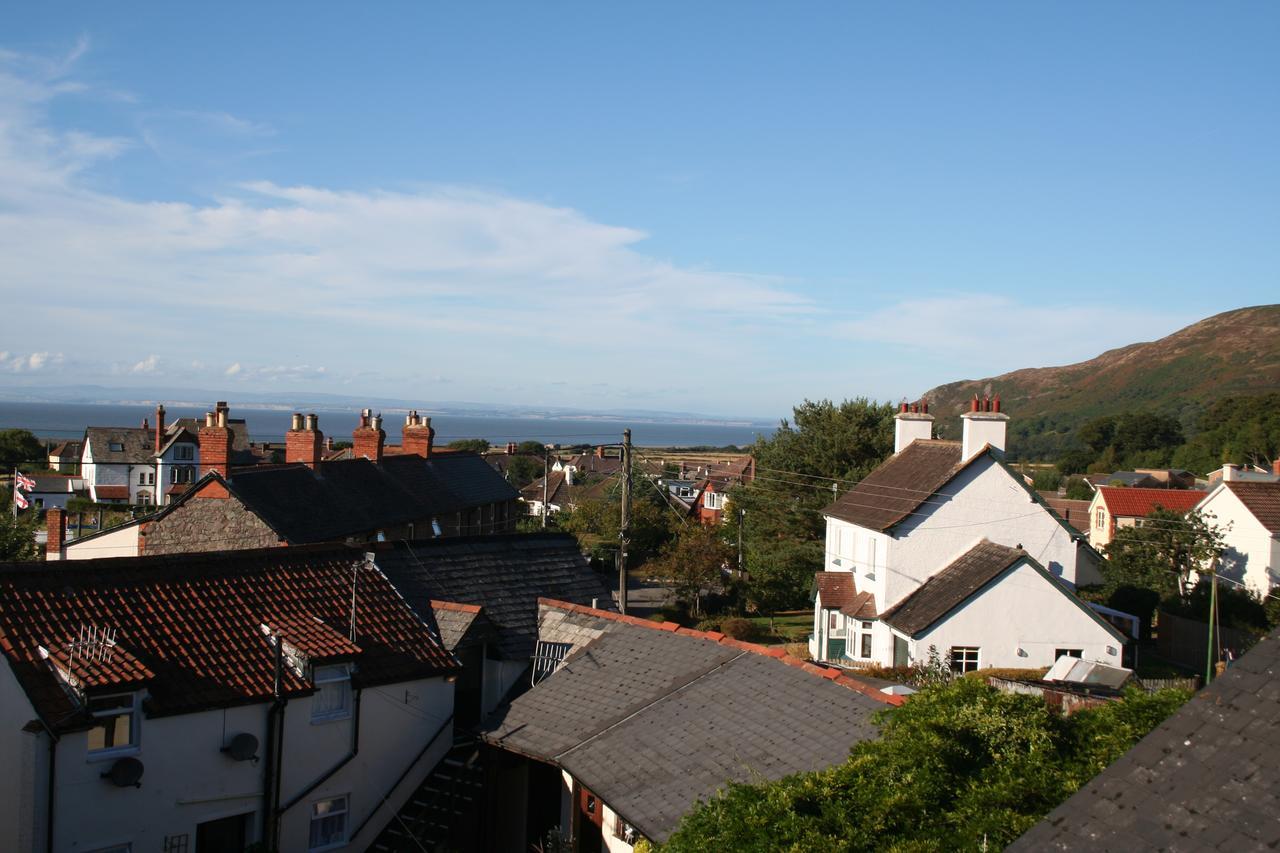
833	675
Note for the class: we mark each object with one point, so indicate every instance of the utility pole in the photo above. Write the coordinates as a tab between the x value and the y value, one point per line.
1213	619
741	566
546	472
625	529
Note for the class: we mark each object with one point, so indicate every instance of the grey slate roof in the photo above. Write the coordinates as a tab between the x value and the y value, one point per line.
461	625
897	488
1207	778
952	586
503	574
652	721
137	444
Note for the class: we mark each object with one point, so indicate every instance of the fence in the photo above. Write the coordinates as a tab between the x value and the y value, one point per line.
1186	642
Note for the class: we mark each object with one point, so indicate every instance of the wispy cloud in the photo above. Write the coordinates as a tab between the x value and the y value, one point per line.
33	362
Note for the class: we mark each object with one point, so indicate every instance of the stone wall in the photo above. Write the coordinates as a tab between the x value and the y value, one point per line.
207	524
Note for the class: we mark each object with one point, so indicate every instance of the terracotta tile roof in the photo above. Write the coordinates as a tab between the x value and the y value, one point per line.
839	591
1261	499
96	662
191	625
112	493
900	485
1139	503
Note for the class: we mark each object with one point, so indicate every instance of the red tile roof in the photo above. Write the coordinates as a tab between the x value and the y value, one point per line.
1139	503
112	493
190	625
1261	499
839	591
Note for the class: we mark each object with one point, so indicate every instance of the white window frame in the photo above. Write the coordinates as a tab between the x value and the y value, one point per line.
964	659
135	727
343	811
714	500
322	677
865	633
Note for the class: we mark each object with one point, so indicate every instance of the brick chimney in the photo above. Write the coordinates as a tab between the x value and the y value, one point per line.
418	437
911	423
368	438
1275	467
303	441
984	424
215	442
55	521
511	448
159	426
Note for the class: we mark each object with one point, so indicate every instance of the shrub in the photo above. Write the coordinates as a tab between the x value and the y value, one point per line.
739	629
657	617
711	624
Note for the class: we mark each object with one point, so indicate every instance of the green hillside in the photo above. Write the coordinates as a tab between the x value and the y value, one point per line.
1234	353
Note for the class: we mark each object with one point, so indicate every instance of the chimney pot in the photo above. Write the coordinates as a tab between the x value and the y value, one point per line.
976	404
902	407
209	419
159	426
924	405
296	421
995	403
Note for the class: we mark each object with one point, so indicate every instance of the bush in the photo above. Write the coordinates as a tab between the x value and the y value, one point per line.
712	624
657	617
1047	481
740	629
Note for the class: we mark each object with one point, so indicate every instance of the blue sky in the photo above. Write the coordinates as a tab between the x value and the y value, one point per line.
714	207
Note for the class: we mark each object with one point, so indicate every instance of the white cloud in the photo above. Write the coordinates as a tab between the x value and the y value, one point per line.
29	362
147	365
234	369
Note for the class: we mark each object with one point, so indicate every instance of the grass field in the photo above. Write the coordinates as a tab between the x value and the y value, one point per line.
790	627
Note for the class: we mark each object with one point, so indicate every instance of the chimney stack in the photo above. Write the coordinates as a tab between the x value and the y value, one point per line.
511	448
56	524
418	435
984	424
913	422
1230	473
215	442
159	426
303	441
368	438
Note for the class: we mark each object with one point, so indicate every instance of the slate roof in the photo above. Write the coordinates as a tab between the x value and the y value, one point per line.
461	624
952	586
189	625
896	489
137	444
1129	479
1207	778
355	496
66	449
557	489
503	574
1139	503
1261	499
653	720
839	591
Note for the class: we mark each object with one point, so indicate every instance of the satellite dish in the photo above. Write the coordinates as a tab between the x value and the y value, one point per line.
125	773
243	747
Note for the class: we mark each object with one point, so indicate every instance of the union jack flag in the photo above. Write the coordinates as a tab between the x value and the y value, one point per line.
20	499
25	482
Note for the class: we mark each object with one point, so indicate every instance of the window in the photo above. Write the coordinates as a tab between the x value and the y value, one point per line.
142	478
117	446
964	658
714	500
1101	519
184	452
115	723
864	647
332	699
328	824
685	492
1071	653
625	831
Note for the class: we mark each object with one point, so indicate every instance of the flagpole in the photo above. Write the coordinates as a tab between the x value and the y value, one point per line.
15	492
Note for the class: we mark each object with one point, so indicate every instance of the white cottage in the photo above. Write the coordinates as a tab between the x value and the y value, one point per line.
948	523
1248	512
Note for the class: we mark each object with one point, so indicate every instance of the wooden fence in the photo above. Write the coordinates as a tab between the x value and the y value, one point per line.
1186	642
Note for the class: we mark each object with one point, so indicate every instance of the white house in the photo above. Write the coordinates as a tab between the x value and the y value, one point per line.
1248	513
930	518
287	697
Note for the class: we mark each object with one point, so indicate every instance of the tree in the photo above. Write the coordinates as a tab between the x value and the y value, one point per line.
961	766
783	530
693	564
475	445
1162	551
18	536
527	465
595	523
1078	489
20	447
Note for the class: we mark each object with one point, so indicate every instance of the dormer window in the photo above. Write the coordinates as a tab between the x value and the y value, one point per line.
184	452
714	500
116	446
332	699
115	724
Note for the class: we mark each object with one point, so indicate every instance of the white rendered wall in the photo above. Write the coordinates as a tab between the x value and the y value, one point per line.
984	501
24	755
120	542
1018	623
1252	554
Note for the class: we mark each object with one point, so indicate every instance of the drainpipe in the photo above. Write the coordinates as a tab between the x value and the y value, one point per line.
53	766
274	751
324	777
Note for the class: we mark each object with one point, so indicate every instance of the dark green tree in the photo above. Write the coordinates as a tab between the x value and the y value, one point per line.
1162	551
693	564
475	445
20	447
17	536
527	465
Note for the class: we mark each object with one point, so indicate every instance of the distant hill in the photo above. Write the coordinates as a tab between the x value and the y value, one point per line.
1237	352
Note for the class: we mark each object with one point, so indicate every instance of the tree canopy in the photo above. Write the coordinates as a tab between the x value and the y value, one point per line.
783	529
960	766
693	564
17	536
20	447
475	445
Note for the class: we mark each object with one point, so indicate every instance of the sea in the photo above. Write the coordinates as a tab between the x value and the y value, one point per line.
61	421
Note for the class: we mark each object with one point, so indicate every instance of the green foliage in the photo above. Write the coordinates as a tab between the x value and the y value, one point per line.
17	536
1237	607
1078	489
20	447
595	523
1160	553
1047	481
783	527
1075	462
693	564
475	445
740	629
1243	430
960	766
